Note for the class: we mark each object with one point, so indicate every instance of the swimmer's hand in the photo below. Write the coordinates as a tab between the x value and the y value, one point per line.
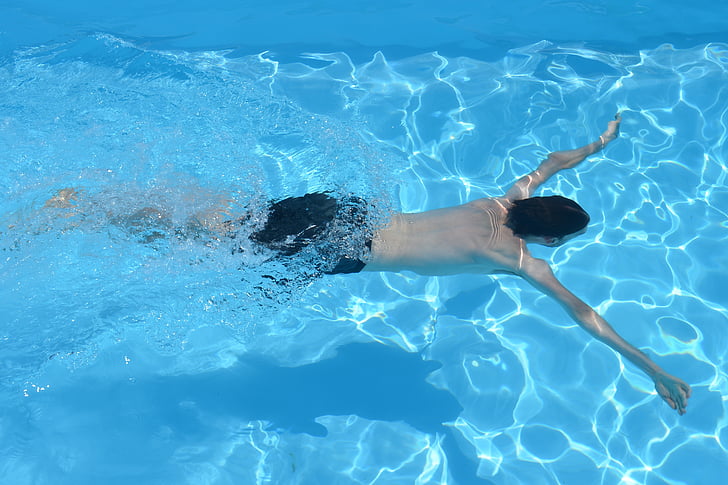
612	131
674	391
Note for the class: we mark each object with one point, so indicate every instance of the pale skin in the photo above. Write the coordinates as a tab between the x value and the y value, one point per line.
469	238
473	238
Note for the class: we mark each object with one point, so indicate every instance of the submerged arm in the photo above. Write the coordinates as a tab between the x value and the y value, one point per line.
673	390
561	160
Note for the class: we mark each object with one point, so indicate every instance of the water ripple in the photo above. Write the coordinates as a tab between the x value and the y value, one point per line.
542	402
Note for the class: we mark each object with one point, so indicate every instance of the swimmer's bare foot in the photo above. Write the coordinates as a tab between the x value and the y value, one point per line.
64	199
612	131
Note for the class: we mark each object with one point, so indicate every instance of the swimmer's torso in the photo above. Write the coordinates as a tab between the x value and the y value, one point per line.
467	238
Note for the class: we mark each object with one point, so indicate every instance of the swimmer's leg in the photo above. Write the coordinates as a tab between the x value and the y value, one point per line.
64	199
147	224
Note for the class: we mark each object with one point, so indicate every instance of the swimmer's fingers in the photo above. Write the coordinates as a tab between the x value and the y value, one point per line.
665	395
674	391
684	393
612	131
613	126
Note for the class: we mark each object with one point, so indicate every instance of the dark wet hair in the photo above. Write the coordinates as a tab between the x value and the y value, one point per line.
552	216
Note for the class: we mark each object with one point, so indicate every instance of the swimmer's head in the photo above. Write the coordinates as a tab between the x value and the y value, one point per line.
550	221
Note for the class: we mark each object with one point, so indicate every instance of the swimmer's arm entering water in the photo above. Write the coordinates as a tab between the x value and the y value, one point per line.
525	186
673	390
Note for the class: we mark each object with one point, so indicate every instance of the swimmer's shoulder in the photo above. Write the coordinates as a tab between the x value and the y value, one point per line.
500	203
504	251
495	207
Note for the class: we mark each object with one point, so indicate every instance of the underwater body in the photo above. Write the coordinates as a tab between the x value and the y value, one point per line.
132	354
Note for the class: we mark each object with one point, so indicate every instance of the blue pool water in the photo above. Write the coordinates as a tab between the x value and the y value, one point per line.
131	358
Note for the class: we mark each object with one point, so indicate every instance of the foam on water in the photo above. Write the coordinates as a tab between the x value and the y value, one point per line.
97	320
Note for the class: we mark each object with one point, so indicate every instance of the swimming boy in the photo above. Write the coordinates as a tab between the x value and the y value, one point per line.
486	236
490	236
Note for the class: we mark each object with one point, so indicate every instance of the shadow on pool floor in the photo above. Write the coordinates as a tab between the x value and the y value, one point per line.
372	381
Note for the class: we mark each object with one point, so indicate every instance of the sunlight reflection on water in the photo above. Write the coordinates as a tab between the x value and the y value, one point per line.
541	401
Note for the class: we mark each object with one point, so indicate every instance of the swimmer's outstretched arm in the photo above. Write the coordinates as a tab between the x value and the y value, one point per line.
526	186
673	390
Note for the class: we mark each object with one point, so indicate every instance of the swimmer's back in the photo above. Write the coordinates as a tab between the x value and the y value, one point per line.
466	238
